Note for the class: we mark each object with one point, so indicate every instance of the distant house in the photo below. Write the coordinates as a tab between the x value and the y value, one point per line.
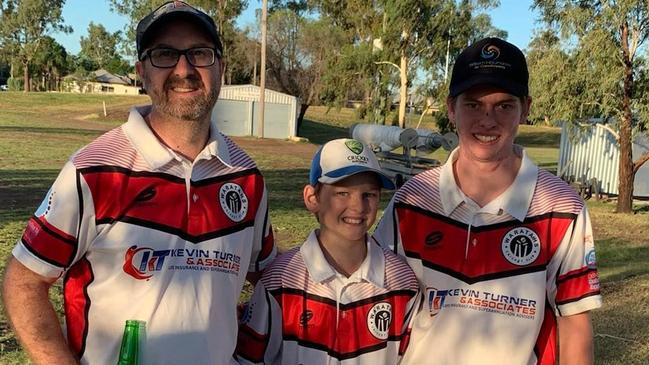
102	82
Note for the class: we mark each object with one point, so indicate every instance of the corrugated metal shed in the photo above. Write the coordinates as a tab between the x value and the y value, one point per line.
236	113
589	152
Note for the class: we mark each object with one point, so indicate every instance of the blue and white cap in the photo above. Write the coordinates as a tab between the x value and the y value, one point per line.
344	157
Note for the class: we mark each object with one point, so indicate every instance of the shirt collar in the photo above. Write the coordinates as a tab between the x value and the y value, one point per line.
155	153
515	200
372	269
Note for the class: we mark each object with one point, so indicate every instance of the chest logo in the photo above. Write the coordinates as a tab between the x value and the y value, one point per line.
379	319
521	246
233	201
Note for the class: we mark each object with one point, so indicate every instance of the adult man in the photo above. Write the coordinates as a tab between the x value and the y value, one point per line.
157	220
503	249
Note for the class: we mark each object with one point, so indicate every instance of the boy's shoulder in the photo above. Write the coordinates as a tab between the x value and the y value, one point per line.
398	274
287	264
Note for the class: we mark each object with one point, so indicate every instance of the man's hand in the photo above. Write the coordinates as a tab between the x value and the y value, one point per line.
32	317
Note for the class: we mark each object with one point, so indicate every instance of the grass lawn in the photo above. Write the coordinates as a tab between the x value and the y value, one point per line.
39	131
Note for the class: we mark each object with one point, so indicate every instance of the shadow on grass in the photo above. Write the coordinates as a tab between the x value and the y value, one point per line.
539	139
21	191
319	133
618	260
76	131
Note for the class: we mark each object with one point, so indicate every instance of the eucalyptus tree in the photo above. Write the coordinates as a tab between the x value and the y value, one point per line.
608	36
23	26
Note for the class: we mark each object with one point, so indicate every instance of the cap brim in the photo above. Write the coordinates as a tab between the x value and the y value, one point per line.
336	175
498	81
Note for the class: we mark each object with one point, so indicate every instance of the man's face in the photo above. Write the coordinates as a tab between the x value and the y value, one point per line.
184	92
487	120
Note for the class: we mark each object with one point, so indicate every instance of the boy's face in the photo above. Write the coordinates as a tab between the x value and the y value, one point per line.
347	209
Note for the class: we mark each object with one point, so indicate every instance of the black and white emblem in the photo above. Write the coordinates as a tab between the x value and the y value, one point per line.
379	319
521	246
233	201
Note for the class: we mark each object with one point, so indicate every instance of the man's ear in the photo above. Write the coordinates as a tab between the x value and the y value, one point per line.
310	196
450	109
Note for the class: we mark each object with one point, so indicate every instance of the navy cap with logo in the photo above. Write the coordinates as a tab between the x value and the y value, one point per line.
490	61
171	10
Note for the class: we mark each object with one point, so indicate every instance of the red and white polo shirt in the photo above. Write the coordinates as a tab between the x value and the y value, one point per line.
138	232
304	312
494	278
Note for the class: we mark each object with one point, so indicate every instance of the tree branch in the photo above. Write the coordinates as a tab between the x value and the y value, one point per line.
637	164
388	63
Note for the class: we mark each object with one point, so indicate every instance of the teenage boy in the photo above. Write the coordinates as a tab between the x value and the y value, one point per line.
338	298
504	249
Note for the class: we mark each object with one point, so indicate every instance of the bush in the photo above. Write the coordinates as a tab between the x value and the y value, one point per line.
361	112
15	83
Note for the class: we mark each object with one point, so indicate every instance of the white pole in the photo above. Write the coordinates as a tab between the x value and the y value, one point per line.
262	75
104	108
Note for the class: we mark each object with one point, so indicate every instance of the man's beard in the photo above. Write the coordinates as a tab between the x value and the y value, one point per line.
190	110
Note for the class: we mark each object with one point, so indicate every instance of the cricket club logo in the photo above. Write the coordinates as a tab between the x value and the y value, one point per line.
233	201
354	146
379	319
521	246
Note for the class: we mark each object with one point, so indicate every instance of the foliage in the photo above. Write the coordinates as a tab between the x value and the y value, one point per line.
23	26
100	48
15	83
606	77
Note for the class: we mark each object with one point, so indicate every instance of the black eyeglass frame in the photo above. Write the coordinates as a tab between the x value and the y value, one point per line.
216	54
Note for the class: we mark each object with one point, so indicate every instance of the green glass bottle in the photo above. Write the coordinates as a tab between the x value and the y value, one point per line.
130	352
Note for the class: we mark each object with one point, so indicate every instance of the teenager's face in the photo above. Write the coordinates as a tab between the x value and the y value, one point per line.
347	209
183	92
487	120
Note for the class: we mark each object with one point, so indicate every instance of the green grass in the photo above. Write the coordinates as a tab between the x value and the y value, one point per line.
39	131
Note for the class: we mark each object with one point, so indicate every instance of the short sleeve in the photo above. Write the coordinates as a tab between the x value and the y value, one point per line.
56	234
264	250
386	233
573	282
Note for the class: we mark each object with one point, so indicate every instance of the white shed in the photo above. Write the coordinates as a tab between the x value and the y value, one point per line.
236	113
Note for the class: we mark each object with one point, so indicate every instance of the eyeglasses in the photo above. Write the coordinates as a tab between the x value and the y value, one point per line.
168	57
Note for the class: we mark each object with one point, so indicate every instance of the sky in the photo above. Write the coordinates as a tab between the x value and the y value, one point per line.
514	16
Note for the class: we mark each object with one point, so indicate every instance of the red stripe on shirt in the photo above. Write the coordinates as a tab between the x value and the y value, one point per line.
577	284
250	344
546	343
77	304
161	200
267	245
353	333
420	235
48	242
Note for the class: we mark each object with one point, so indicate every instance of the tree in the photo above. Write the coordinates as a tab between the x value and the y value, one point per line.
100	46
298	49
23	26
51	63
608	35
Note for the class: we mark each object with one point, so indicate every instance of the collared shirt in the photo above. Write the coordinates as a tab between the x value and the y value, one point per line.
139	232
304	312
495	275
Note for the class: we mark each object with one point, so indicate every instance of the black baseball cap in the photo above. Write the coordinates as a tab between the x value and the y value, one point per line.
490	61
171	10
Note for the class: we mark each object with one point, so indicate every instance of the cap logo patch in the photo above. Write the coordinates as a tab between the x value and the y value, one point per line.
521	246
354	146
490	52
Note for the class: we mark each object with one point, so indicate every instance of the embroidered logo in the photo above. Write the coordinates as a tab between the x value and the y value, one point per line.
233	201
521	246
354	146
379	319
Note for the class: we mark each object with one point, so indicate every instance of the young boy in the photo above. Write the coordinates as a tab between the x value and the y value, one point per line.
338	298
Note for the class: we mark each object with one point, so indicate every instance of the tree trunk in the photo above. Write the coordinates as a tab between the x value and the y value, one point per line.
300	118
626	173
403	91
26	87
